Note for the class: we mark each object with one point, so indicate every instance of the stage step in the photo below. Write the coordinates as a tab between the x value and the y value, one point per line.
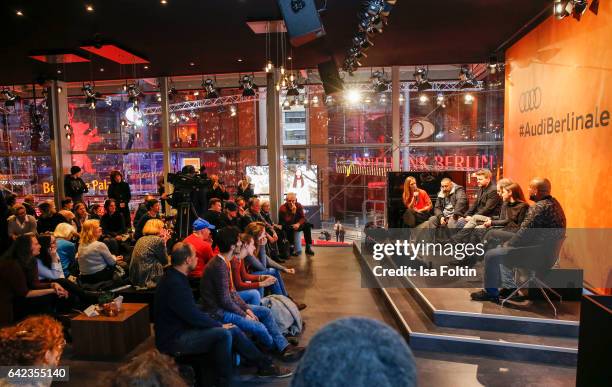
420	325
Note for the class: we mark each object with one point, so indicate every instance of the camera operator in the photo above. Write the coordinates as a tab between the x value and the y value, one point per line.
188	190
201	200
217	189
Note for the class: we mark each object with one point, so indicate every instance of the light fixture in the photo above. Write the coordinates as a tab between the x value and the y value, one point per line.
209	87
468	99
353	96
171	94
423	99
108	100
239	59
101	69
164	2
91	96
440	100
562	8
133	92
11	97
315	101
158	97
146	67
68	130
89	8
232	111
196	93
466	77
19	13
269	66
401	98
191	64
420	77
383	99
286	105
380	83
247	86
361	40
367	99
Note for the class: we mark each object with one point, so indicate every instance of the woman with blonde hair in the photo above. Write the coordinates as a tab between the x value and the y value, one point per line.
96	262
417	202
66	249
149	255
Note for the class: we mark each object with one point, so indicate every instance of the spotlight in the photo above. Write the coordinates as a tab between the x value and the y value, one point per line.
468	99
133	92
367	99
68	130
232	111
247	86
164	2
440	99
401	98
375	7
353	96
357	53
158	97
361	40
11	97
580	7
423	99
379	82
209	87
562	8
108	100
286	105
91	96
196	93
466	77
19	13
420	76
269	66
89	8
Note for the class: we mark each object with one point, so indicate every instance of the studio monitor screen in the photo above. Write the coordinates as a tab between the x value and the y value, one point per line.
302	21
332	83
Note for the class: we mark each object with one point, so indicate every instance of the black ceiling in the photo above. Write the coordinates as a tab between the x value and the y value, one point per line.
213	34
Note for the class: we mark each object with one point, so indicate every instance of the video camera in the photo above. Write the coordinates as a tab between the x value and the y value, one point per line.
186	183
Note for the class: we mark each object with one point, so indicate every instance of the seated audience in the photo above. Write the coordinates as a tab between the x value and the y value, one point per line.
37	341
182	328
230	216
67	204
356	352
291	217
245	188
21	223
74	186
149	256
28	203
150	368
241	203
248	285
5	241
66	249
96	211
96	262
417	202
21	292
120	192
11	200
546	213
68	216
142	208
200	240
253	214
214	213
49	218
80	215
219	298
48	261
451	204
217	189
113	222
153	208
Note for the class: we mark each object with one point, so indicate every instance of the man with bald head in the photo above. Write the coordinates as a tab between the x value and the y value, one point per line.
542	229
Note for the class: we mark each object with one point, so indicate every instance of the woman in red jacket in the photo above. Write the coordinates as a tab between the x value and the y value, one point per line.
248	285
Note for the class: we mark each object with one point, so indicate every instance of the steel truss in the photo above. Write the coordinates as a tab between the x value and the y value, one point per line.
201	103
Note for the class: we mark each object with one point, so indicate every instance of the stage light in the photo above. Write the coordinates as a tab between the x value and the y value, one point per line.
562	8
423	99
440	99
367	99
468	99
91	96
286	103
353	96
269	66
315	101
164	2
282	70
247	86
232	111
420	77
11	97
580	7
108	100
357	53
133	92
209	87
379	82
466	77
401	98
361	40
19	13
89	8
375	7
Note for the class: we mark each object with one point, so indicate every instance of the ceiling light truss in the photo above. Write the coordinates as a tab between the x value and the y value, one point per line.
201	104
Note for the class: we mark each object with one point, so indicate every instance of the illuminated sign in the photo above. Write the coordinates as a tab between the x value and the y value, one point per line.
95	185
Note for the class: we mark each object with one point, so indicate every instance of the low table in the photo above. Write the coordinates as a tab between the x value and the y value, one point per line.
111	337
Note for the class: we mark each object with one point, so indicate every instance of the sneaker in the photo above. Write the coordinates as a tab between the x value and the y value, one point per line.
291	353
483	295
293	340
274	371
309	251
505	293
296	253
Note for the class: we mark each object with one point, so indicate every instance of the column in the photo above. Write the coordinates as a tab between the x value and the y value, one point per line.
61	159
395	118
165	132
274	144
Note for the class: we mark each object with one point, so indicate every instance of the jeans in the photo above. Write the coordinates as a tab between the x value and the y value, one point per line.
265	330
250	296
496	274
278	287
245	347
293	235
216	341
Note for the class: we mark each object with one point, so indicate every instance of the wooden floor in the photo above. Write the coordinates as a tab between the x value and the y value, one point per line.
330	284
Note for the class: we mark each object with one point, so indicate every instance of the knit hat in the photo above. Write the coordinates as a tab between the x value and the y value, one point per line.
201	224
75	169
356	352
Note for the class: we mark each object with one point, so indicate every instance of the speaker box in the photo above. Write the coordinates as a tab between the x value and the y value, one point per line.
302	21
332	83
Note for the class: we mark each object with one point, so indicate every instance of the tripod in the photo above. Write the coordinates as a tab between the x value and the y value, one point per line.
183	221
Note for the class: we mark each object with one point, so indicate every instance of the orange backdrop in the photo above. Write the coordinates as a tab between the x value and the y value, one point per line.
558	72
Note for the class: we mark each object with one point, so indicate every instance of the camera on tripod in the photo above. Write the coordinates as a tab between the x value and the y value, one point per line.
186	183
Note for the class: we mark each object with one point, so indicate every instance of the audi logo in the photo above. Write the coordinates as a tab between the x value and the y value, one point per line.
530	100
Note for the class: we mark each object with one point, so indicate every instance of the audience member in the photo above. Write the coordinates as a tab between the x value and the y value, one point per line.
245	188
21	292
253	214
28	203
142	209
37	341
182	328
4	214
68	216
96	263
153	208
356	352
291	217
248	285
537	238
67	204
113	221
74	186
200	240
149	256
230	216
80	215
66	249
217	189
214	213
150	369
119	191
48	261
417	202
96	211
11	200
21	223
49	218
219	298
339	230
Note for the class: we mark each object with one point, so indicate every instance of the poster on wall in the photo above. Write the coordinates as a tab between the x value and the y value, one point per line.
301	179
